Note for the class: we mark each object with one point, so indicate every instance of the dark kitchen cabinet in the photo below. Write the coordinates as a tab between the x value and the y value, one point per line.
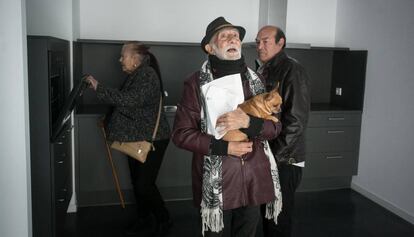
50	144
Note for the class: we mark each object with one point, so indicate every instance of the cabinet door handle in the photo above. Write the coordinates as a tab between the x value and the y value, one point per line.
336	118
60	143
61	200
334	157
335	131
60	162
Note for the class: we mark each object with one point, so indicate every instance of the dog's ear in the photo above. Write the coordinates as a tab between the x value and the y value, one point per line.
268	96
276	87
271	94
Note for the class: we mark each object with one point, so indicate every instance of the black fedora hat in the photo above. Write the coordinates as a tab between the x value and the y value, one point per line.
216	25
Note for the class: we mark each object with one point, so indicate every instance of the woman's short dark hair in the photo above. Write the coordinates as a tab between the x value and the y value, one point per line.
147	58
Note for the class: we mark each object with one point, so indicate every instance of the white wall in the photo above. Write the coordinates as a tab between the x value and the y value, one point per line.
156	20
50	17
386	160
59	19
273	12
15	204
75	19
185	20
311	22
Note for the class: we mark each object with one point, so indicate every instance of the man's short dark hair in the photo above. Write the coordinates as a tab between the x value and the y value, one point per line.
279	35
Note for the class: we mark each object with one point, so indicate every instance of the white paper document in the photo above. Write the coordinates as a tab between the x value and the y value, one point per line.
222	95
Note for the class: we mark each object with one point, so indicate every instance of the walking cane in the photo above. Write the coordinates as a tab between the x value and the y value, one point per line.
114	173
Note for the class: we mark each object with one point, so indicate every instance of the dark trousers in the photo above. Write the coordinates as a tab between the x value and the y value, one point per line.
143	177
290	177
239	222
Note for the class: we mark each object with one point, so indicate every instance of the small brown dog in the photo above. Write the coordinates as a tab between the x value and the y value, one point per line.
260	106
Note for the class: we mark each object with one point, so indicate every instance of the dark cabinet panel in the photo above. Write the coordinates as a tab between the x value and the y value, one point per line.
330	164
332	147
330	139
318	65
94	175
348	73
334	119
51	168
95	182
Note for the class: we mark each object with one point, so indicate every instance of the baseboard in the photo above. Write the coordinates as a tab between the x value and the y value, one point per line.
384	203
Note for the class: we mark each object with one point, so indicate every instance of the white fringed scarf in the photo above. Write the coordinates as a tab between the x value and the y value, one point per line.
212	190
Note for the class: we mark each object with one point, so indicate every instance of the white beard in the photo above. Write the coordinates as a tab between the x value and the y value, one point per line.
224	55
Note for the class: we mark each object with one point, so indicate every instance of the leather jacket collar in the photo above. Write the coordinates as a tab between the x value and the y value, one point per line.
277	58
261	67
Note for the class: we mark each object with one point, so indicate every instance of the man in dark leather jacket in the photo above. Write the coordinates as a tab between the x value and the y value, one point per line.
289	147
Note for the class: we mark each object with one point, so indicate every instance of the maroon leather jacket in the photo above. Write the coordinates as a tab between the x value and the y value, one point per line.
247	184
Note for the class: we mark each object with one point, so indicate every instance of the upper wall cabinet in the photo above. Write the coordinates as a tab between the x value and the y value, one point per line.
348	79
337	75
101	59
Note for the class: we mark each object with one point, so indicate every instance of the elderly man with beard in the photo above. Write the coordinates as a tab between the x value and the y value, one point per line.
230	179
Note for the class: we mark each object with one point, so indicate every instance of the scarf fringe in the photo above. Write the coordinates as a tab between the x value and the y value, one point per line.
273	210
211	219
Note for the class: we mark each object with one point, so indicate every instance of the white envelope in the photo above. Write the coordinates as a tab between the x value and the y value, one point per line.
222	95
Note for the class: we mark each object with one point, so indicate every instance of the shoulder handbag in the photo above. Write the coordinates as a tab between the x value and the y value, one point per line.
140	149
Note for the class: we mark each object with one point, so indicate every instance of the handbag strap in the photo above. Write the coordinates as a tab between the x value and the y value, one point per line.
158	120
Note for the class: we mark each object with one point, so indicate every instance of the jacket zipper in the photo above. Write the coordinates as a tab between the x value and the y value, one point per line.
243	182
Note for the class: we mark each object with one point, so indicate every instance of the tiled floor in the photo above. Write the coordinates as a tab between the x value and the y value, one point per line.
337	213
